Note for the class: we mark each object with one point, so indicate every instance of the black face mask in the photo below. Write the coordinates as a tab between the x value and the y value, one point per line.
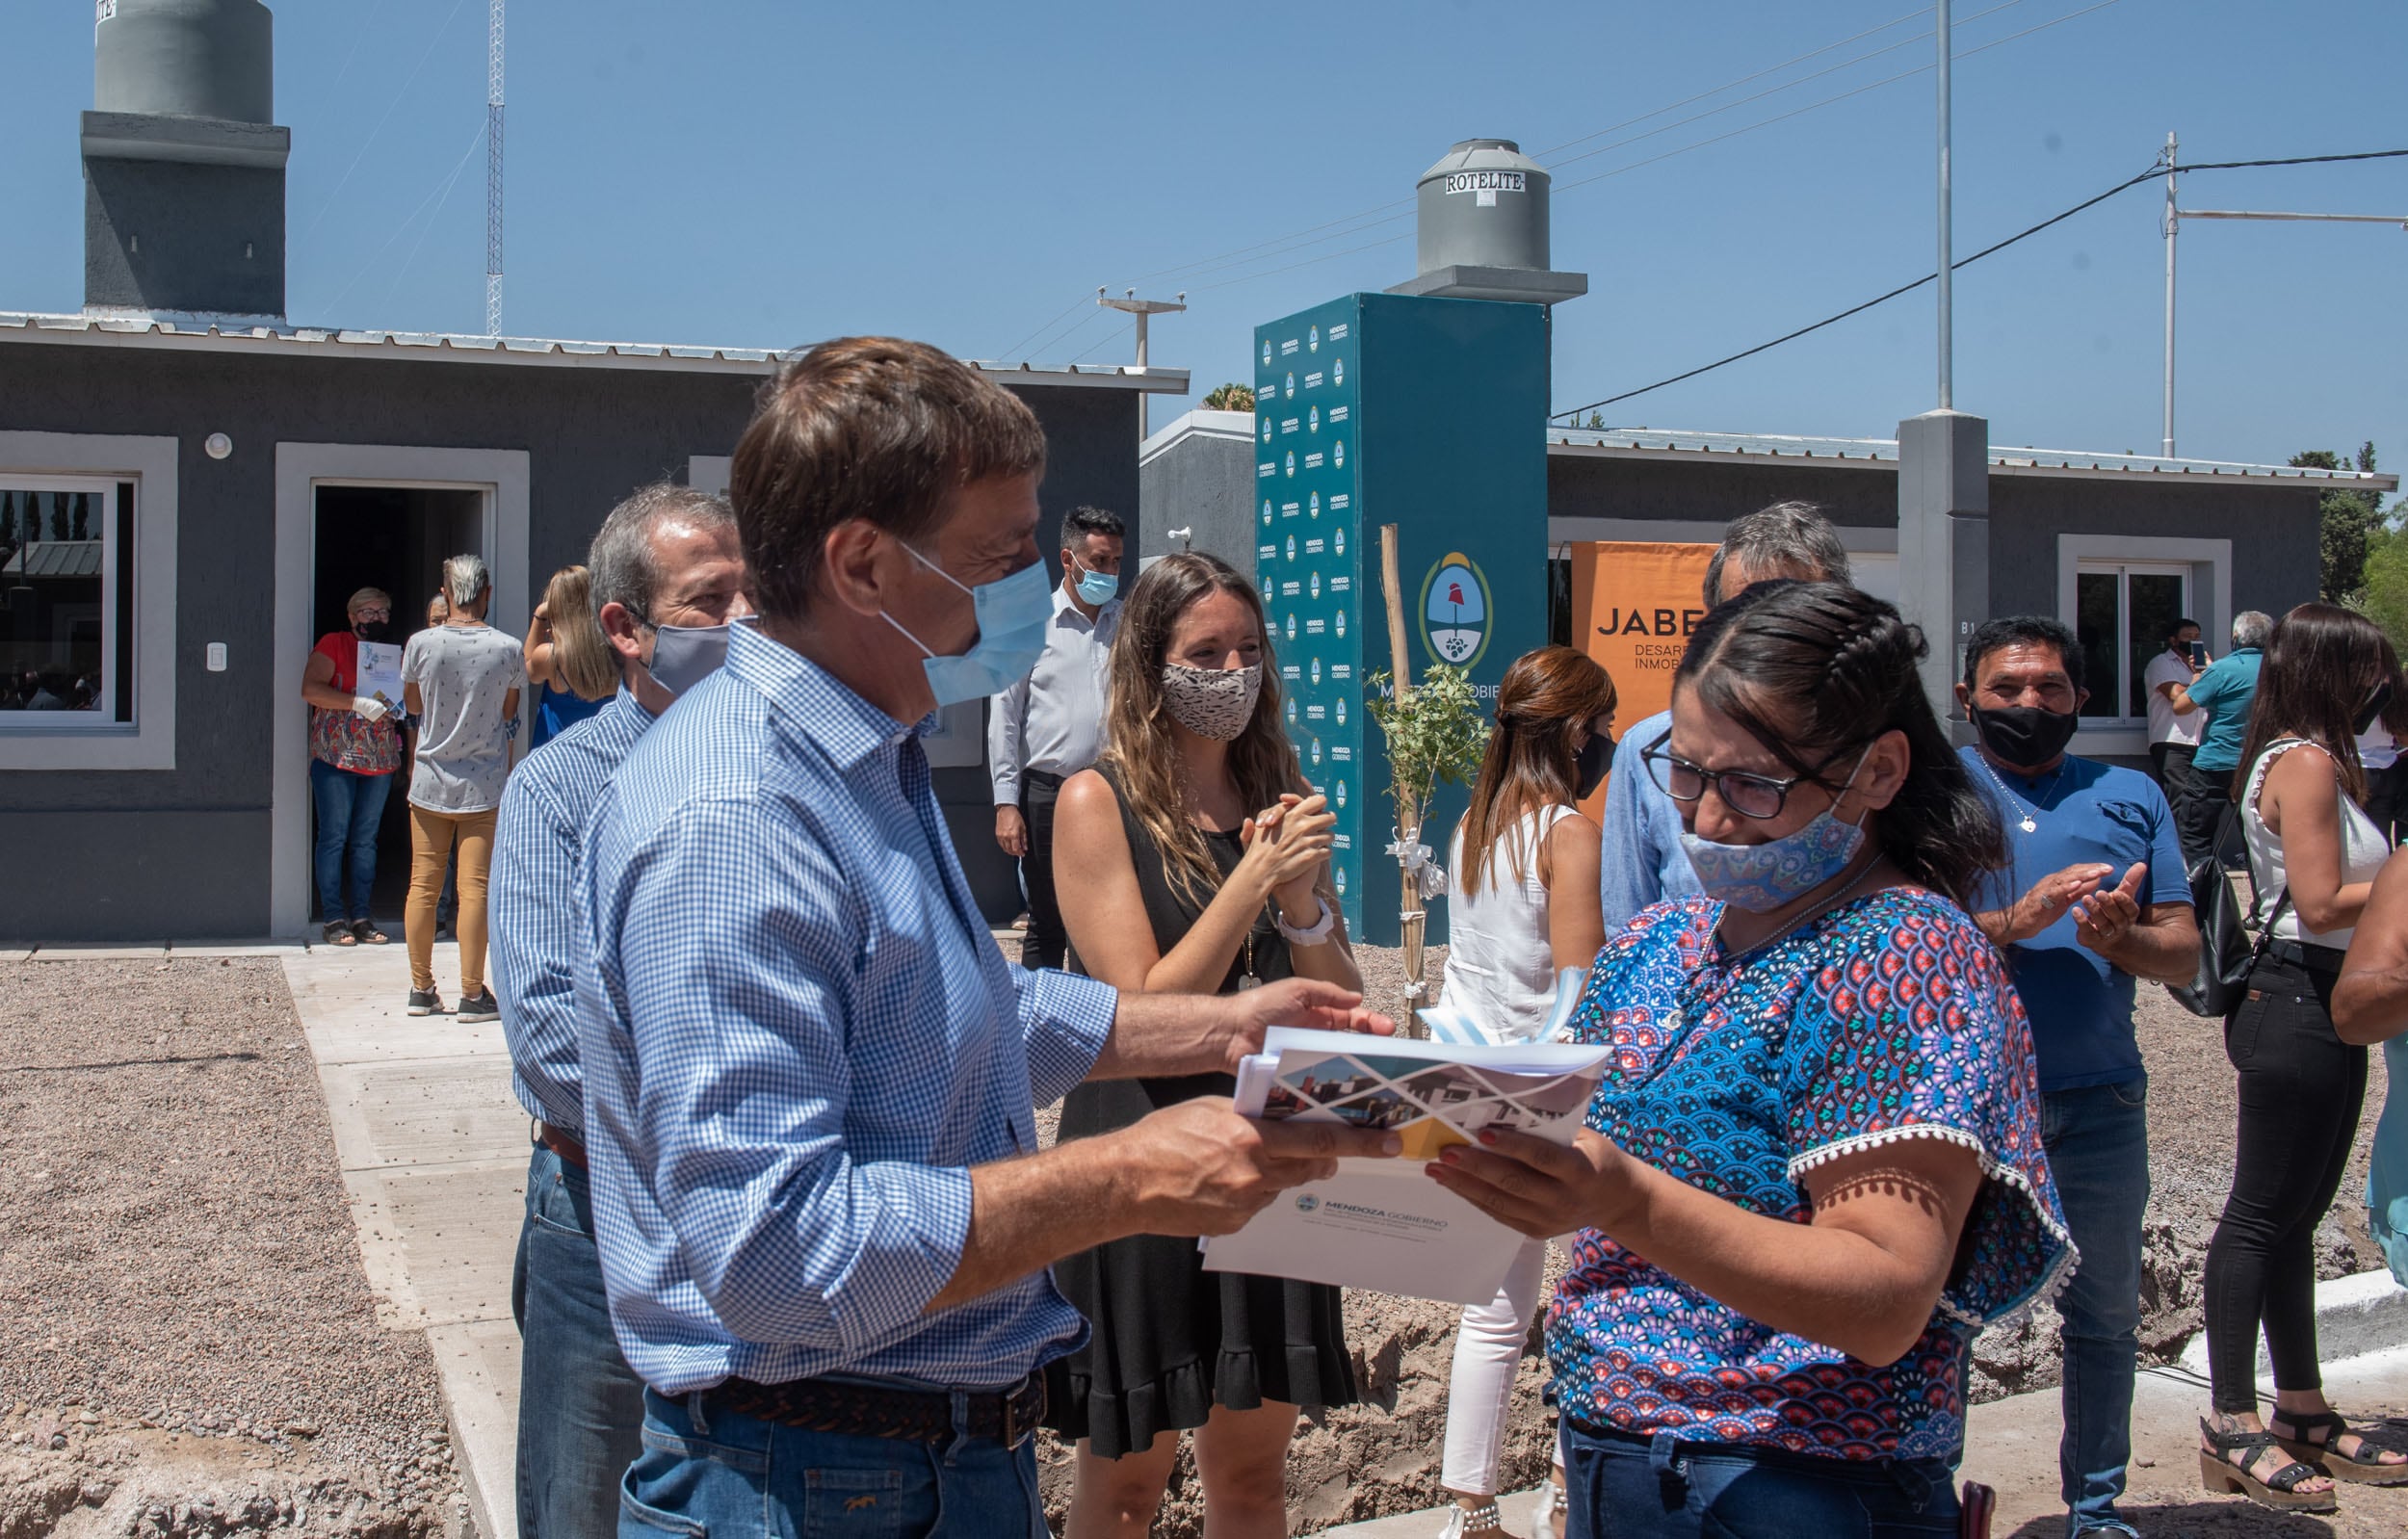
2025	736
1590	764
372	630
2371	712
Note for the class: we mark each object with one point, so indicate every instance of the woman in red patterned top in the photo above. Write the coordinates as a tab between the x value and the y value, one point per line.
355	746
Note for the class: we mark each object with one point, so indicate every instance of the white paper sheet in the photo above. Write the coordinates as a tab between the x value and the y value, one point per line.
381	673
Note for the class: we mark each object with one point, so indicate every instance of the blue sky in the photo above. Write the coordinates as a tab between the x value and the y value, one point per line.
761	173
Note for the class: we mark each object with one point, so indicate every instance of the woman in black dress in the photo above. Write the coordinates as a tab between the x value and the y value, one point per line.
1195	858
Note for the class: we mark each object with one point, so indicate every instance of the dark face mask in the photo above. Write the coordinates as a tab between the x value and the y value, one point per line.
2371	712
1590	764
2025	736
372	630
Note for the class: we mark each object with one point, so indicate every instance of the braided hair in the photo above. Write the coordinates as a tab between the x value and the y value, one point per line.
1812	670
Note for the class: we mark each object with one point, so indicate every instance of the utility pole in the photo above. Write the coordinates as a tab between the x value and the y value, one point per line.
494	170
2173	224
2174	216
1948	297
1142	309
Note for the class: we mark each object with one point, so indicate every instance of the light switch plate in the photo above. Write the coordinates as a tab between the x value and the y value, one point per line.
216	657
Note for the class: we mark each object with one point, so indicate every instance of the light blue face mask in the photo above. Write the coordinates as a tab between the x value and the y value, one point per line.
1763	877
1013	612
1098	587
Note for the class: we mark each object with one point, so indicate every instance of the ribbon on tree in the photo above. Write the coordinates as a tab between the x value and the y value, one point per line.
1428	878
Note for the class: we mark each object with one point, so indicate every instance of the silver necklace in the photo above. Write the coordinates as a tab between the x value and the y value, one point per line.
2030	824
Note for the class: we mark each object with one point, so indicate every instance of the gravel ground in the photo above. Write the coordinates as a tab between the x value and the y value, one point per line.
186	1335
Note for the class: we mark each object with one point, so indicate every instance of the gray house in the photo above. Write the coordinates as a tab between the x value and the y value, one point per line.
2111	544
191	487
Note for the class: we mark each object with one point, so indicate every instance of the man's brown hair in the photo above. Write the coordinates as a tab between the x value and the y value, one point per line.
870	427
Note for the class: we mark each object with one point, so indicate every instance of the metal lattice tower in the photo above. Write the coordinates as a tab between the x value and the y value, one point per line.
493	172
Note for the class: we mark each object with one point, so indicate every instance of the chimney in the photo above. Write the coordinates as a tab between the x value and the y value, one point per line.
183	169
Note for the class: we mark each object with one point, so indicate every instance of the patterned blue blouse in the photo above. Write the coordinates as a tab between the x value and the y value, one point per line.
1888	1018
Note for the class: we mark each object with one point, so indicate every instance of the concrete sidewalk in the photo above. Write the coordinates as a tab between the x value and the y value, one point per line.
434	1151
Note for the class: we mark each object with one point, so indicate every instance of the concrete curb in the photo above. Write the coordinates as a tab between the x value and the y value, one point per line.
2363	1312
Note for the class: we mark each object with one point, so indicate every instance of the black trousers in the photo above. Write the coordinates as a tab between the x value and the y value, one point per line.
2211	798
2180	782
1046	945
2301	1090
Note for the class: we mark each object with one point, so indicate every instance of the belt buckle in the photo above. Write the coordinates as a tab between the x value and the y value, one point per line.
1031	1395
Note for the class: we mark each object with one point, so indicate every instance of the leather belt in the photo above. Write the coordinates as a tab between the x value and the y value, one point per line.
2321	958
882	1410
564	1144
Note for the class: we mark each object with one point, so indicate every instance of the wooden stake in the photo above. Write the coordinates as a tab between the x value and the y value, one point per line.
1408	804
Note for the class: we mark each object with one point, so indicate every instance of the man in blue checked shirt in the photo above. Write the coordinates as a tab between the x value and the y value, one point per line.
667	573
826	1224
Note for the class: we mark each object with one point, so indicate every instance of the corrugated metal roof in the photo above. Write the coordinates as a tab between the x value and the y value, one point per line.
1654	443
54	558
228	336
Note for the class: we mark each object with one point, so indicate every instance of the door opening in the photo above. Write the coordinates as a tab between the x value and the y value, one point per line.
396	538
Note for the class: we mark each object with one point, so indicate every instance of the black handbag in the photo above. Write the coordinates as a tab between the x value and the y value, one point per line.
2226	953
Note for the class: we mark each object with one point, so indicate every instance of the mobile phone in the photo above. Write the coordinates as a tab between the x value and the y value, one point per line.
2198	654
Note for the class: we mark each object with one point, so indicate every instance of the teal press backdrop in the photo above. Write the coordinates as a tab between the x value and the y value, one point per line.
1428	415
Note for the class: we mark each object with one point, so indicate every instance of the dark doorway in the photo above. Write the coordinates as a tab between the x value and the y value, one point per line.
396	538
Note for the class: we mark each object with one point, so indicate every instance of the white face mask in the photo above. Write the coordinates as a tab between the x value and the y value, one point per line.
1214	703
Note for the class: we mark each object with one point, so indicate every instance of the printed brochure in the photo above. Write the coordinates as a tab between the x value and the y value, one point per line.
1384	1224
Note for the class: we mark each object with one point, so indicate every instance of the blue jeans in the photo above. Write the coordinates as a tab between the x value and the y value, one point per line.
706	1471
580	1405
2097	1139
350	806
1633	1486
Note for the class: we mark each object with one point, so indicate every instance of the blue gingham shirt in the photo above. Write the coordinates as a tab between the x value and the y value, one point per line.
1641	860
538	934
798	1037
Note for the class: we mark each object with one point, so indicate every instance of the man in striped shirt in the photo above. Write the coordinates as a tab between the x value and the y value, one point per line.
667	577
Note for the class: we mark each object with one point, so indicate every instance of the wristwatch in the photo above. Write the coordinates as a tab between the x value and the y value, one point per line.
1316	935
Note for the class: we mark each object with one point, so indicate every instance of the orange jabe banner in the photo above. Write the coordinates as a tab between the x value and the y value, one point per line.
1633	605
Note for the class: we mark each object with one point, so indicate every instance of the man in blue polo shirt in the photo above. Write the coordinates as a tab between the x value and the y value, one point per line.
669	576
2225	692
2093	898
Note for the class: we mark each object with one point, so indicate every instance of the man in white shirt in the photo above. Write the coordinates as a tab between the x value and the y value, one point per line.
1050	726
2174	735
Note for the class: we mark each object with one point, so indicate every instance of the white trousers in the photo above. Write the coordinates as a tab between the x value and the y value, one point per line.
1488	1355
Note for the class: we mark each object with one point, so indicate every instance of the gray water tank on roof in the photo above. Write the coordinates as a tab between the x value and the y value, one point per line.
1483	228
1484	205
186	59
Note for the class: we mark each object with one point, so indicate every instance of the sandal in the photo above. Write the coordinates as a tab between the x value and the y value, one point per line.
2220	1475
2389	1436
338	933
365	931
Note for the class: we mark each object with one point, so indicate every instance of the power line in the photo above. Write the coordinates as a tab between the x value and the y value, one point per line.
1108	336
441	188
345	179
1013	351
1730	85
2149	175
1257	249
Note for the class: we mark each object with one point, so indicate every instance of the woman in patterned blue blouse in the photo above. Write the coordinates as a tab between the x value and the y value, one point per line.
1814	1167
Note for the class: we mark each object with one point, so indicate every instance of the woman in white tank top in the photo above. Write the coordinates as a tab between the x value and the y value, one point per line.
1522	903
2313	858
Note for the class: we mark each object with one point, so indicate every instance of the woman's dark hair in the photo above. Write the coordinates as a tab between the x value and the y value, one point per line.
1545	696
1814	669
2320	666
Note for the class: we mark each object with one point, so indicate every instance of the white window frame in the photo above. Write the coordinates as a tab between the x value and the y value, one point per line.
43	461
2211	568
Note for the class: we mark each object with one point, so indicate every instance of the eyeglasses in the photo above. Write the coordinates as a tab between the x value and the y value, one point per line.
1749	795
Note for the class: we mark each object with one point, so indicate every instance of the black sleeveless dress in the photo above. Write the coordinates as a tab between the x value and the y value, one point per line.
1172	1340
